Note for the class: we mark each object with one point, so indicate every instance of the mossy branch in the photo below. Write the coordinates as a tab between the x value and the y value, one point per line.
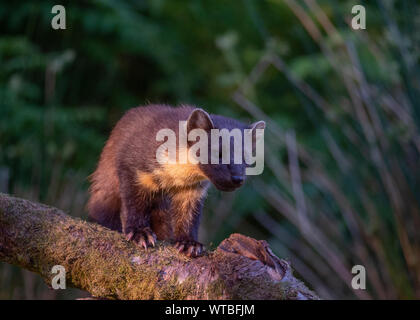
37	237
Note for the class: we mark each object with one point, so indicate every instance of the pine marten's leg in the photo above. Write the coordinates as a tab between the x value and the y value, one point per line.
135	211
186	209
161	221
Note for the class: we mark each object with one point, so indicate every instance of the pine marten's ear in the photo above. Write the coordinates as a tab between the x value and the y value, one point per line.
199	119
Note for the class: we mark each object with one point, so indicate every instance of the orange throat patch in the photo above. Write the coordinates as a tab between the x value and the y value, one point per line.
170	176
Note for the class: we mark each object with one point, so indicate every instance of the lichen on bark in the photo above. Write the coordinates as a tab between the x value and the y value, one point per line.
37	237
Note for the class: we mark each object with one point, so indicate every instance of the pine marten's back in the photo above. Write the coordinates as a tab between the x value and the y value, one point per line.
141	123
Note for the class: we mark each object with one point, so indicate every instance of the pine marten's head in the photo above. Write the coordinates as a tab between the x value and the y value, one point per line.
228	148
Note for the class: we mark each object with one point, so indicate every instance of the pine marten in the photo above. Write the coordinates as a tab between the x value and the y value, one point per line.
133	193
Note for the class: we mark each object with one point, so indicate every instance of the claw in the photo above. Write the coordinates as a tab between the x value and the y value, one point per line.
151	237
143	244
198	250
190	248
129	236
144	237
191	251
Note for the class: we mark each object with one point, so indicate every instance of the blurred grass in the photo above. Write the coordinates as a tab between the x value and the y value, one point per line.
341	185
356	200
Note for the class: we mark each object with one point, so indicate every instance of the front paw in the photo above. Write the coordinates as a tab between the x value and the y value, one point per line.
142	236
190	248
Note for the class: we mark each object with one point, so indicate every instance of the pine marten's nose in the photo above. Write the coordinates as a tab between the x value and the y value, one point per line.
238	180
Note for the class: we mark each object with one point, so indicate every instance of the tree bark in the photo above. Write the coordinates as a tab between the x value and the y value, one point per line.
37	237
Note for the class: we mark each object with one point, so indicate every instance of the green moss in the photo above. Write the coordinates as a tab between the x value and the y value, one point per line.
100	261
173	290
215	289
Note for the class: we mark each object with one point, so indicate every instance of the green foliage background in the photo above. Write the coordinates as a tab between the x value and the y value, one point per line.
61	91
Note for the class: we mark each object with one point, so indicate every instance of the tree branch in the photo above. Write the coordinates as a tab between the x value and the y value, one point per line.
37	237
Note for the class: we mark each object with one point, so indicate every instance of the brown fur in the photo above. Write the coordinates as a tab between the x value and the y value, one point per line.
132	193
